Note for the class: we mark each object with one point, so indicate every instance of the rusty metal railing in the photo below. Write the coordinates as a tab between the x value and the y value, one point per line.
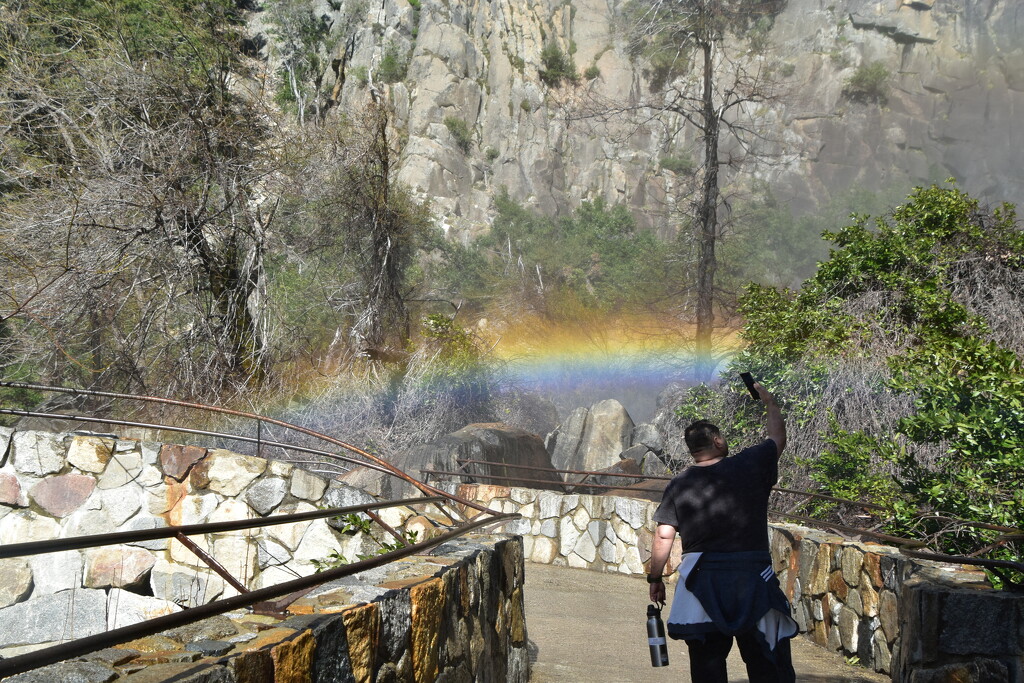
286	592
80	646
140	535
369	459
909	546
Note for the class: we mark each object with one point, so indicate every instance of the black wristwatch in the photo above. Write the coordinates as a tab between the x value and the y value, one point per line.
653	579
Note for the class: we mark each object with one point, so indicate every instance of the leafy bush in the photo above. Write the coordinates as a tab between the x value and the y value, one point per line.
869	83
903	377
460	132
394	65
491	154
680	165
786	69
592	72
558	66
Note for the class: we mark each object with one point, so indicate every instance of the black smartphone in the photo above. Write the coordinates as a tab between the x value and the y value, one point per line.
748	379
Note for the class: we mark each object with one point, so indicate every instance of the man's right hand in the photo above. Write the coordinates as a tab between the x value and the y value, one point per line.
776	426
658	593
765	395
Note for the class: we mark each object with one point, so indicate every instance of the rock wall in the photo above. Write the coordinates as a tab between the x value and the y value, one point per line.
916	620
63	485
949	107
454	615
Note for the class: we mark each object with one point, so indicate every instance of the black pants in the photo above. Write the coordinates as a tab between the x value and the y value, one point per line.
707	659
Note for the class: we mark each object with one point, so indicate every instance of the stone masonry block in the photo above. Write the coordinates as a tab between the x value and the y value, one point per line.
90	453
5	444
427	601
293	658
968	618
68	614
37	453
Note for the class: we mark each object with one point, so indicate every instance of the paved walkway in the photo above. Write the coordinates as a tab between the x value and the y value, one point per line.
589	626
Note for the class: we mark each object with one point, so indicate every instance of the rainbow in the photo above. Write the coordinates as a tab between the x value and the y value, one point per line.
631	360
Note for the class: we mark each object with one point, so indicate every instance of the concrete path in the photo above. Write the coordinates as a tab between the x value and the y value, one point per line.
588	626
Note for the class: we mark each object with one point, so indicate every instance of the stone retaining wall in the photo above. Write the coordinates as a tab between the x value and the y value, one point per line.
63	485
454	616
916	620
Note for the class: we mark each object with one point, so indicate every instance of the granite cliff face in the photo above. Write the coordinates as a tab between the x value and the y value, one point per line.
954	90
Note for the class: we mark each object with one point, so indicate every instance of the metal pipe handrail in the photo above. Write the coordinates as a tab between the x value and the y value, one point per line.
659	477
895	540
558	471
81	646
822	496
570	484
959	559
189	430
622	486
97	540
394	471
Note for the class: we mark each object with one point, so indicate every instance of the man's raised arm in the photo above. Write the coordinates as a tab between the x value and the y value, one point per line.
776	425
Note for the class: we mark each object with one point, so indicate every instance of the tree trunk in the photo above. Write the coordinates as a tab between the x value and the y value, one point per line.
707	218
385	326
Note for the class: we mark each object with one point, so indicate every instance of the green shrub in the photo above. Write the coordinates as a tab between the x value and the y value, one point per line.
558	66
525	105
869	83
592	72
899	377
785	70
394	65
491	154
595	259
680	165
361	74
839	58
460	132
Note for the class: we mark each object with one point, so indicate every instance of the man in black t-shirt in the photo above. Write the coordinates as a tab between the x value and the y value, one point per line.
719	507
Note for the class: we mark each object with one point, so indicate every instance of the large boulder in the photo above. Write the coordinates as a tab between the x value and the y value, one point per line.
608	477
496	444
592	440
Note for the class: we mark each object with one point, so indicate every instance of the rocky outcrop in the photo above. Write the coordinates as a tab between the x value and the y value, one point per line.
956	81
604	439
591	439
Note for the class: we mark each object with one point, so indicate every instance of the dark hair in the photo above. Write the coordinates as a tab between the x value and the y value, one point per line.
699	435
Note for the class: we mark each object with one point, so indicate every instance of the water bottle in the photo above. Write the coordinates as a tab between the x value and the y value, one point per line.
656	636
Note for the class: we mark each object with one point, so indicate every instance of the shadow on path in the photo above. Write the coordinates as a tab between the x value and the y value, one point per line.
589	626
